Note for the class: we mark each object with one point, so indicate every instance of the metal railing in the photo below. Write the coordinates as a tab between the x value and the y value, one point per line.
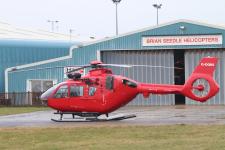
21	99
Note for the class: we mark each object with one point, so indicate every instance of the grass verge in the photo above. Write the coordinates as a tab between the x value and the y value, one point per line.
19	110
174	137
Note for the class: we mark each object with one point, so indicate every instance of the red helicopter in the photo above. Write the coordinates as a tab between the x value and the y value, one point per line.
101	92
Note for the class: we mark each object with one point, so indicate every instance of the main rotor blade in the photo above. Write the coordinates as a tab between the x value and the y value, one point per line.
129	66
116	65
86	66
44	68
149	66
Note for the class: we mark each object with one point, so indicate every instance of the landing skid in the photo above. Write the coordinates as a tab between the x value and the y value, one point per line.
92	118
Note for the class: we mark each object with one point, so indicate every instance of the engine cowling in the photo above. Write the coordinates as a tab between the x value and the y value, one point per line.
74	76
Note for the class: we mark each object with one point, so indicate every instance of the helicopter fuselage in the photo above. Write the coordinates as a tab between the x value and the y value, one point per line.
99	91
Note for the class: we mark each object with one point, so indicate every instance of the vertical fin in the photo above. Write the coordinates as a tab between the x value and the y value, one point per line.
207	65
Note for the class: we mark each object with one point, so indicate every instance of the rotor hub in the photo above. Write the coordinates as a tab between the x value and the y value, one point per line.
200	88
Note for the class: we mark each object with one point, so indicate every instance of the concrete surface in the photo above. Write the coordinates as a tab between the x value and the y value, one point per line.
155	115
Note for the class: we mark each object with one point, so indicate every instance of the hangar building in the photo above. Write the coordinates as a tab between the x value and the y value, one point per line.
20	52
178	44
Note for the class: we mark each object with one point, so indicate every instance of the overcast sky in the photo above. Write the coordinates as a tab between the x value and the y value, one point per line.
97	17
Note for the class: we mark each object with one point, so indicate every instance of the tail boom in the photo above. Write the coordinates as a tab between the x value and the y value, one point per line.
159	88
147	89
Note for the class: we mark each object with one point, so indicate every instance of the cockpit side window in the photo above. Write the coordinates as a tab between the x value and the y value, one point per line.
62	92
109	82
76	90
129	83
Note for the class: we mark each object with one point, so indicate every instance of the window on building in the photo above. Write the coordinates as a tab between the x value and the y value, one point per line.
62	92
40	85
46	85
76	90
91	91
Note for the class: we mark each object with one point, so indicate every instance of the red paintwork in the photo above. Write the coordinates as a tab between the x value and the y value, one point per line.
105	100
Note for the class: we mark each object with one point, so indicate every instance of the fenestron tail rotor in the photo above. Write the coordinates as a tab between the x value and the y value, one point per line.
200	87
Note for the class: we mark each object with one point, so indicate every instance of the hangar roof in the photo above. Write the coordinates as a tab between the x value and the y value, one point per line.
8	31
158	26
35	43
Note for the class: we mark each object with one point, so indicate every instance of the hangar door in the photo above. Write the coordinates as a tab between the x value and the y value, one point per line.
192	58
145	74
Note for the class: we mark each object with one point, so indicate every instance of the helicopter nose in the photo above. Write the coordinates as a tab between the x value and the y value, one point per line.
44	99
44	96
48	94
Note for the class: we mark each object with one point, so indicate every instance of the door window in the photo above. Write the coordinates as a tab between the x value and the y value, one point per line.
76	90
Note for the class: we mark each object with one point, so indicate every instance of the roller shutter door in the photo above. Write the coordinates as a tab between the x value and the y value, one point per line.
143	74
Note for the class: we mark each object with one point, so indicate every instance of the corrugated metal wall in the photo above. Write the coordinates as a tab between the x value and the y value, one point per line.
19	52
143	74
192	58
18	85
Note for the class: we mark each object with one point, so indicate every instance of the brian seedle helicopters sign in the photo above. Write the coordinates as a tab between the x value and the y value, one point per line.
182	40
